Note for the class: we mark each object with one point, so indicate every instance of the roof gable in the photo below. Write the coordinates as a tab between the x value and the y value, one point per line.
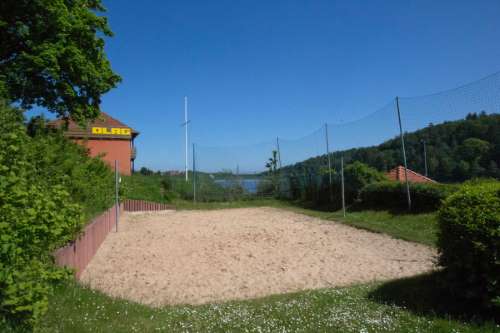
102	121
398	174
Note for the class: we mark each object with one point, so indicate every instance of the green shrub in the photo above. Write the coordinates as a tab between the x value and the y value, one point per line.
425	197
469	243
57	161
313	186
357	175
49	187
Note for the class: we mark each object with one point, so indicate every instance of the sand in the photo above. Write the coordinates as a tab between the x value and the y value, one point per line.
195	257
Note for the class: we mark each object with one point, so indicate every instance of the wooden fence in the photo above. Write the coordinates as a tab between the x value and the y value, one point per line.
78	254
141	205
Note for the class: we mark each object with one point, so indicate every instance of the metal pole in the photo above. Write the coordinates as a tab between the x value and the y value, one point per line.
279	153
328	154
342	182
117	201
404	154
194	175
329	161
186	135
425	158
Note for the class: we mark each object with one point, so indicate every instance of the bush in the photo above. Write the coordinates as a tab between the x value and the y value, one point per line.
57	161
48	188
425	197
357	175
469	243
313	186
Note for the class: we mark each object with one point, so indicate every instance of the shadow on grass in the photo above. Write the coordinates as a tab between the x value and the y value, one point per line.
425	295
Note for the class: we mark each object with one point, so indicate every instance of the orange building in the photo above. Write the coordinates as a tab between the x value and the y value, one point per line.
105	137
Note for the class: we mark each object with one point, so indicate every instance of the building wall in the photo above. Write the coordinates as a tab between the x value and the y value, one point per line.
119	150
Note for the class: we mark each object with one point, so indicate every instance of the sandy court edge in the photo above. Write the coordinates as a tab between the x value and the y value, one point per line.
196	257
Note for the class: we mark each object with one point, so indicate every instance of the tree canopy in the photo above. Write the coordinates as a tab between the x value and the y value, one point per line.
456	151
52	55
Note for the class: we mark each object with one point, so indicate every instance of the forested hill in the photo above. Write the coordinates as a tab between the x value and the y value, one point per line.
456	150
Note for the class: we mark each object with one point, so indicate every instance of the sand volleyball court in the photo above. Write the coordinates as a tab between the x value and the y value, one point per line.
194	257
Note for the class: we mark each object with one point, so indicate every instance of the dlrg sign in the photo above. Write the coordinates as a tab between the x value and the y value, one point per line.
111	131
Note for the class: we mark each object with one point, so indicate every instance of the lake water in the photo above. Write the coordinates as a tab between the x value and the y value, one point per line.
249	185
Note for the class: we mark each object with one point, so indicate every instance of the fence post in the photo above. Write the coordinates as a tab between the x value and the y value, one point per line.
329	162
279	152
342	182
194	175
117	201
404	154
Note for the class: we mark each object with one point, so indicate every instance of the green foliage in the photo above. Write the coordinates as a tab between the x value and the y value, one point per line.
55	160
52	55
357	175
456	151
469	243
425	197
271	186
48	189
313	186
146	172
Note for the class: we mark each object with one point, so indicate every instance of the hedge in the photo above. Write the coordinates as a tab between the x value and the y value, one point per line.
469	244
425	197
49	187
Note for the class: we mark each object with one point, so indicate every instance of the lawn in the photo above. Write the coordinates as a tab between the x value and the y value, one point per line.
407	305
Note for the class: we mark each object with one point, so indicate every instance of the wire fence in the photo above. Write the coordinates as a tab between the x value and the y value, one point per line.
310	168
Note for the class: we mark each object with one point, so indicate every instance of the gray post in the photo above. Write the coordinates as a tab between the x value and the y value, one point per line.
194	175
404	154
329	160
117	199
342	182
425	158
279	152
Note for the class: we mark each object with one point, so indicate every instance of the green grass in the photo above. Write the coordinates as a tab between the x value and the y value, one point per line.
389	307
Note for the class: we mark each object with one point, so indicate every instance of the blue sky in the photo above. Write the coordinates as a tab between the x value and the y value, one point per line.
254	70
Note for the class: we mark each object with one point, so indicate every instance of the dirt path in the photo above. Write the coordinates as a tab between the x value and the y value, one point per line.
207	256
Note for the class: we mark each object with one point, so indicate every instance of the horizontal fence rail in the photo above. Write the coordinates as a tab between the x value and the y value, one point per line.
141	205
78	254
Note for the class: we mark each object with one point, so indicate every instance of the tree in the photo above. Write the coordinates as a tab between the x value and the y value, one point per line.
271	187
272	163
472	149
52	55
357	175
146	172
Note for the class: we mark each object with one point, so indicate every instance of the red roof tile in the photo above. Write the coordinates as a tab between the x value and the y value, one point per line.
398	173
103	120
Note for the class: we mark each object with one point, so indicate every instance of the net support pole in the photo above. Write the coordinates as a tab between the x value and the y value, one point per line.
186	136
194	175
279	152
404	154
342	182
117	199
425	158
329	161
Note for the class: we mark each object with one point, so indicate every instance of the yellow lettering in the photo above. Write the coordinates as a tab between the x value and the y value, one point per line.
111	131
